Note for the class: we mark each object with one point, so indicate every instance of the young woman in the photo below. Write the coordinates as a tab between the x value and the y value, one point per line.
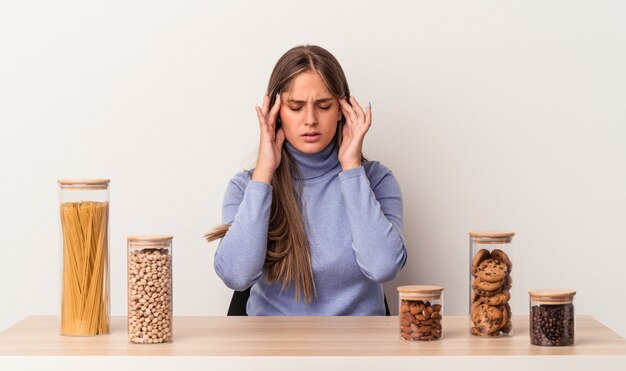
314	228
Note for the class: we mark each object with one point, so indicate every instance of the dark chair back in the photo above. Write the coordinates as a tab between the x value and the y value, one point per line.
240	300
238	303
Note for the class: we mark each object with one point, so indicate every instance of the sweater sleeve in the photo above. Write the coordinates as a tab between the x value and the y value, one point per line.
241	253
375	217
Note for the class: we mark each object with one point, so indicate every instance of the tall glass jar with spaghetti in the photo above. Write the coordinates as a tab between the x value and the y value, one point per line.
84	211
150	289
491	264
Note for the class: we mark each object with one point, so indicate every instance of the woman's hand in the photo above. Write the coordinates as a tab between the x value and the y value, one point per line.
356	126
271	141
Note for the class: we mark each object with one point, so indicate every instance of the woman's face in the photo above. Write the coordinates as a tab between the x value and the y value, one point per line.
309	113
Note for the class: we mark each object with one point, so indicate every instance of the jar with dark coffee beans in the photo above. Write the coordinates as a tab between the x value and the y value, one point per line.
552	321
420	312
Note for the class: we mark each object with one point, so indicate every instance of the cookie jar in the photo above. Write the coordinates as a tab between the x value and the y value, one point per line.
552	321
491	257
420	314
84	213
150	289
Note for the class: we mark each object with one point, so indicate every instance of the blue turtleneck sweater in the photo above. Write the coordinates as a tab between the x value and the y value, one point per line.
354	227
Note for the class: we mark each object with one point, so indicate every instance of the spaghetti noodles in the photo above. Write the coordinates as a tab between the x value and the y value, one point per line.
85	292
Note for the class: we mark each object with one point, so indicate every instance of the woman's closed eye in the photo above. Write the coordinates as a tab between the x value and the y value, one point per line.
321	106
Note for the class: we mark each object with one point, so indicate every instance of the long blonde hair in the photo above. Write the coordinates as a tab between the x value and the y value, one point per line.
288	258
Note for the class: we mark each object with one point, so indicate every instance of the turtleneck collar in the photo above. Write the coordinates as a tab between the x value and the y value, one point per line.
314	165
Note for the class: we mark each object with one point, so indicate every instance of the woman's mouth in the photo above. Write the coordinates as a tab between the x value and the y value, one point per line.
311	137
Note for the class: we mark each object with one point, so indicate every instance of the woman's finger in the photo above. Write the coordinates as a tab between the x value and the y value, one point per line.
348	111
265	105
345	132
271	119
260	116
357	108
368	115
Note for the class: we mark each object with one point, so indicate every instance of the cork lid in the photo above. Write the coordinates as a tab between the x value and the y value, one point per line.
420	291
490	237
150	240
552	296
84	183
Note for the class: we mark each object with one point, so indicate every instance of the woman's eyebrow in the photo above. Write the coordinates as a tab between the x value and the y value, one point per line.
322	100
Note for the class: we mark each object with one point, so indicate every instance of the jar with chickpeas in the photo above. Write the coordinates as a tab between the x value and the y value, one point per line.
420	312
150	289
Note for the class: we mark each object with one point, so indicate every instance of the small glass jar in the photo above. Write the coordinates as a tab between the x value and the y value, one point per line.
552	321
491	257
421	312
84	213
150	309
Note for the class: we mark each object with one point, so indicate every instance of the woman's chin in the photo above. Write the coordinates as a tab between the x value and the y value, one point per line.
309	147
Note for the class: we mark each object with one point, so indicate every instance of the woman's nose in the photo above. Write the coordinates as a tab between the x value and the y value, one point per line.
311	116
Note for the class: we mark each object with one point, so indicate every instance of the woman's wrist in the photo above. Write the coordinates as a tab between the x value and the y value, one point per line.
350	165
261	175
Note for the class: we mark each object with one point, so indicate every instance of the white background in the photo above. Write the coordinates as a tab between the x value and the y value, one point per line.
492	114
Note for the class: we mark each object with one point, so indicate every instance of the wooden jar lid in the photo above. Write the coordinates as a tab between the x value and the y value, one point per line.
427	292
552	296
491	237
84	183
150	240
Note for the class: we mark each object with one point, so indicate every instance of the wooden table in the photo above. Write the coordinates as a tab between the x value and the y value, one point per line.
303	343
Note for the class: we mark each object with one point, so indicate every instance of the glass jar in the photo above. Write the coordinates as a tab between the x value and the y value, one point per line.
84	211
150	289
420	313
552	321
491	257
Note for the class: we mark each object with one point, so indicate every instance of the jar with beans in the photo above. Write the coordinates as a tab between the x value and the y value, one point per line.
150	289
420	312
552	321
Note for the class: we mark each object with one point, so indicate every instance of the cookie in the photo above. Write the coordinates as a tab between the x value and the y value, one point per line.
475	302
505	318
498	299
485	312
475	312
508	326
496	316
508	282
507	307
481	255
488	319
476	332
491	270
480	292
478	283
500	255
